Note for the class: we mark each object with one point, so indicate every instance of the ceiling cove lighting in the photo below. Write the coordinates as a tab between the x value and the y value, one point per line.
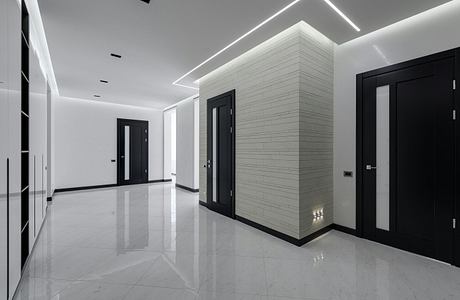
233	43
342	15
36	24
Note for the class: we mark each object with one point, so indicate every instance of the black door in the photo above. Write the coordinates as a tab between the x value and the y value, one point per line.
408	158
133	149
221	170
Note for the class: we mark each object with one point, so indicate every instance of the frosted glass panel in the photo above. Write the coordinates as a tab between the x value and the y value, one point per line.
126	152
383	157
214	155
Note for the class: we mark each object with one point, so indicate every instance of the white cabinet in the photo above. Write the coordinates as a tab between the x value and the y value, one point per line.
13	148
14	133
10	151
3	149
38	146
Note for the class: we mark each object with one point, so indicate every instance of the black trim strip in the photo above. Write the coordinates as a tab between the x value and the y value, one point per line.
359	154
457	160
82	188
187	188
285	237
35	202
344	229
159	180
103	186
7	228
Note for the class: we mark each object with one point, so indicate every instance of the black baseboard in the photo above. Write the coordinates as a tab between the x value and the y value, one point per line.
103	186
203	204
344	229
187	188
285	237
160	180
83	188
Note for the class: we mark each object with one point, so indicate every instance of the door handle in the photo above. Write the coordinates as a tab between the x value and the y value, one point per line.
370	167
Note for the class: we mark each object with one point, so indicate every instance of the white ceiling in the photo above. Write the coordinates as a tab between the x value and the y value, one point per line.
165	39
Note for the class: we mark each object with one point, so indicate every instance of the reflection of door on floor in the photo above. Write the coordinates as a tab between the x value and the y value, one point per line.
408	158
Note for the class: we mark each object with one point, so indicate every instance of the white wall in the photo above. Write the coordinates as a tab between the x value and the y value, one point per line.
50	142
167	140
173	141
187	144
196	147
86	141
427	33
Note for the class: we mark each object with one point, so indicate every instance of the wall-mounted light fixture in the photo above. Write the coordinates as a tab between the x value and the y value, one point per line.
318	215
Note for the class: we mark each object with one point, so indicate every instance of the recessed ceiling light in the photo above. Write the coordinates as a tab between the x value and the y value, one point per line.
233	43
103	81
97	96
115	55
342	15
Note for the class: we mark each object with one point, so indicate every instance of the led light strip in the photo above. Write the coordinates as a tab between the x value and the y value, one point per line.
234	42
342	15
41	43
176	83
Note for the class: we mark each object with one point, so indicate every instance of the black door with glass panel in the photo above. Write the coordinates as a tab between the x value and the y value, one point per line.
133	149
221	154
407	165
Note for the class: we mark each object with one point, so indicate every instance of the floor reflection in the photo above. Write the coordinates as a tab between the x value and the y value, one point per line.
155	242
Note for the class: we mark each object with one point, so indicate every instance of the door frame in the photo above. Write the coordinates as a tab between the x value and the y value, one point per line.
120	173
232	95
454	53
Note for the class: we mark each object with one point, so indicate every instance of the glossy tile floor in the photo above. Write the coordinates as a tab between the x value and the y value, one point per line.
156	242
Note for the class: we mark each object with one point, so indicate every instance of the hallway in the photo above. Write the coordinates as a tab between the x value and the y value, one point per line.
155	242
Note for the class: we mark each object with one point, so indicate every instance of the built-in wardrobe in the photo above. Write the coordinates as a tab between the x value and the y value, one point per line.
23	136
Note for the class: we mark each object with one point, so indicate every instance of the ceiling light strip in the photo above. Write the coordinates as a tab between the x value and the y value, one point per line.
42	44
342	15
234	42
186	86
194	97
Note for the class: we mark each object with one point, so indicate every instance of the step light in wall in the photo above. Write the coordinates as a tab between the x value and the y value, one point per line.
318	215
115	55
342	15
